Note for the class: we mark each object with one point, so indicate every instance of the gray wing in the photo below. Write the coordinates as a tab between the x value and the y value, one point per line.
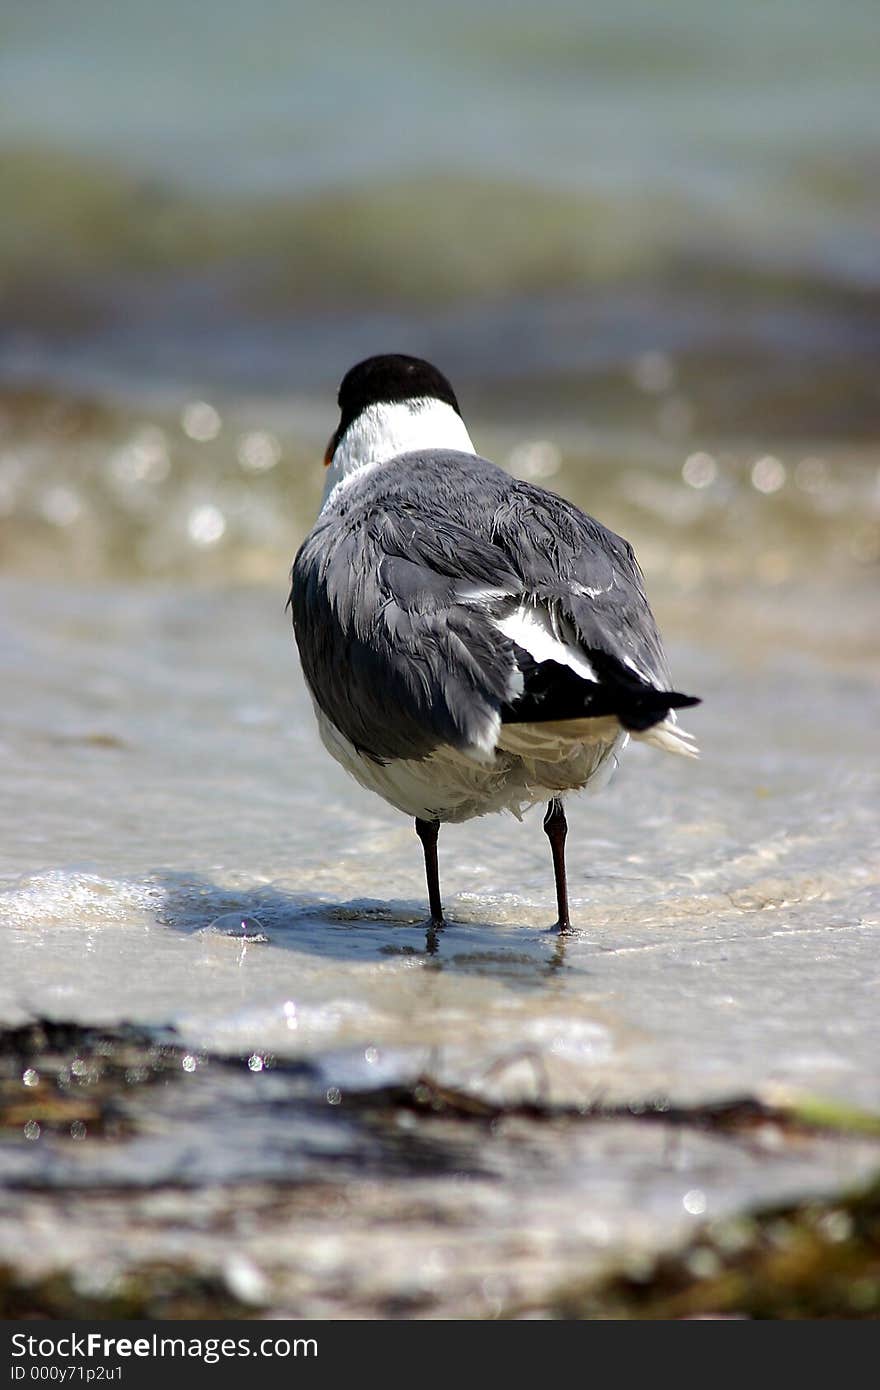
397	590
392	655
588	576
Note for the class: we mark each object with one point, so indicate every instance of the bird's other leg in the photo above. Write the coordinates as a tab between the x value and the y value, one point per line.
556	827
427	831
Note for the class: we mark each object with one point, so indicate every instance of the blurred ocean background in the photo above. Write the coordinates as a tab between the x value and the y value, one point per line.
631	233
643	240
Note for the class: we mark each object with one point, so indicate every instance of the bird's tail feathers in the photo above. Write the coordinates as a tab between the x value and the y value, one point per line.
670	737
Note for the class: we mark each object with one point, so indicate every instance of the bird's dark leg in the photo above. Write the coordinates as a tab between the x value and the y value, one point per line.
556	827
427	831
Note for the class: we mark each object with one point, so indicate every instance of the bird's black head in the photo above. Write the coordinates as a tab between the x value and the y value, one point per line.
383	380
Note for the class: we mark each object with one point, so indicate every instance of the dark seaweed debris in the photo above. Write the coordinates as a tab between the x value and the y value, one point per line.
818	1258
738	1116
813	1259
154	1291
68	1079
58	1075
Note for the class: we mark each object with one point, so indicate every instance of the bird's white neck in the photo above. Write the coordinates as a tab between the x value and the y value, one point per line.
381	432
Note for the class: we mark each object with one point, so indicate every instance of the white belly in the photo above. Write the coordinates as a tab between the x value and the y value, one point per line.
532	763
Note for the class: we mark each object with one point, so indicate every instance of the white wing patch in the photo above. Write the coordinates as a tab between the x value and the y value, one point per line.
531	627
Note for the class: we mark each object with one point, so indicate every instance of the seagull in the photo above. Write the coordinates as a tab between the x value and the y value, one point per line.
471	642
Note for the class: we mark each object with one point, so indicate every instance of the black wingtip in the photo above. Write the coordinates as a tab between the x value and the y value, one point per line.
677	701
556	693
651	707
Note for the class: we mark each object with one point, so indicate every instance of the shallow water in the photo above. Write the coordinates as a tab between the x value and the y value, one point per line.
166	780
165	749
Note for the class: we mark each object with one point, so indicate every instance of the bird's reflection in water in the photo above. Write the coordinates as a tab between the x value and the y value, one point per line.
432	939
557	959
433	935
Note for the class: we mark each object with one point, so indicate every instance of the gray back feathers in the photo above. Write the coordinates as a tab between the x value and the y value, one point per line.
395	589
